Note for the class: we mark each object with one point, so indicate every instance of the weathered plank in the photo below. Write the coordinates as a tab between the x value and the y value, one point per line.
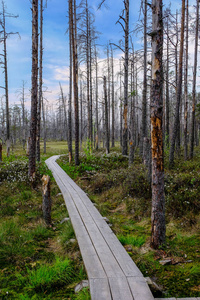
112	273
99	289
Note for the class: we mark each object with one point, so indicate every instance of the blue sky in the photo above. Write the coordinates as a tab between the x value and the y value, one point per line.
55	41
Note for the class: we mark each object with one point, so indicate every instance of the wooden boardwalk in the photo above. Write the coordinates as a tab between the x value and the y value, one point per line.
112	274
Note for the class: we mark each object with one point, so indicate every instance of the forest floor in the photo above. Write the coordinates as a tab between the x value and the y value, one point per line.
39	262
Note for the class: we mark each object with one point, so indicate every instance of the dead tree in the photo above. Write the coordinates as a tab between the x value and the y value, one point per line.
186	86
194	84
72	16
46	203
113	98
34	91
144	92
5	67
179	89
40	83
124	22
158	200
70	94
107	144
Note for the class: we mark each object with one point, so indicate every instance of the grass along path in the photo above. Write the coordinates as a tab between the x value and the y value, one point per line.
36	261
123	195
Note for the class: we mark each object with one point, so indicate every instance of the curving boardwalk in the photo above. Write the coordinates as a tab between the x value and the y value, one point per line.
112	274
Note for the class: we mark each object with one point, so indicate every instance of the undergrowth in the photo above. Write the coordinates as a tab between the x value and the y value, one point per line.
122	193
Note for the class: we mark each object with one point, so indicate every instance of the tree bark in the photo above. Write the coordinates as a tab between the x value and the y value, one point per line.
158	200
40	83
194	84
6	81
46	203
186	86
179	90
106	117
72	13
113	100
70	90
125	111
34	91
144	94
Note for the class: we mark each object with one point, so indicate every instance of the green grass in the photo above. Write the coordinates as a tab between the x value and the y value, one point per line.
132	240
34	261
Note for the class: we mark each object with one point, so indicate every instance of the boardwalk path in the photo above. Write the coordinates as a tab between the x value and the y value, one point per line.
112	274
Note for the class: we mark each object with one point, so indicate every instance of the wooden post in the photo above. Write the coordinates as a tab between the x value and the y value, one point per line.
46	203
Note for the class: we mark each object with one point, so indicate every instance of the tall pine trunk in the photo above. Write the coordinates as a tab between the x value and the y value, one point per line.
179	90
125	111
40	83
34	92
158	200
194	84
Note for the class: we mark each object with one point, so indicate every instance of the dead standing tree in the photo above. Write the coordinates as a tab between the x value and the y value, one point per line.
194	83
158	200
72	17
4	15
40	82
34	92
179	89
124	22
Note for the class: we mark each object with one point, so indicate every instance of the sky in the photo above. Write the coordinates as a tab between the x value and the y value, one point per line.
56	47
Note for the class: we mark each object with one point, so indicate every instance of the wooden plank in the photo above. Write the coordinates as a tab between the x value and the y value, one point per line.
120	289
112	257
91	260
140	288
128	266
99	289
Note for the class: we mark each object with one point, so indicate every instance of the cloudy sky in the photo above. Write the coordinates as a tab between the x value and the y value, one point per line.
56	41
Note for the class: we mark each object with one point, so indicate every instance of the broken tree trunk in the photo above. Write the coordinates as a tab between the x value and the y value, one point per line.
46	203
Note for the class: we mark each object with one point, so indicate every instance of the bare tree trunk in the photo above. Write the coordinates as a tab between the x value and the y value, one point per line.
46	203
6	81
97	107
125	112
91	114
179	89
106	117
158	200
194	84
33	123
167	87
44	126
70	92
81	112
144	94
120	105
65	112
186	86
40	82
72	14
132	111
113	99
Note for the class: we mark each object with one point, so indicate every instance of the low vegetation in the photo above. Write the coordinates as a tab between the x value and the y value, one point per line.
122	193
36	261
40	262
